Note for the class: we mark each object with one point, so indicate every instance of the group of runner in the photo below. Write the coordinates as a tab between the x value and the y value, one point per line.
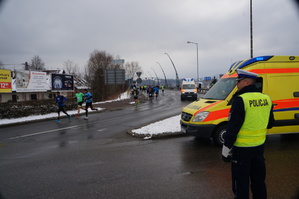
152	91
80	97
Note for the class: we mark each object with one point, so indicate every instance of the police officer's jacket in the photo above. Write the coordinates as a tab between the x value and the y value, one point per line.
238	131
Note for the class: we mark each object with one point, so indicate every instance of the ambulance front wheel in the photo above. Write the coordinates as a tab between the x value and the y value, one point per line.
218	135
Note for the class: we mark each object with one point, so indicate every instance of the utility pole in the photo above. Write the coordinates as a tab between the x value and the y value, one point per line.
251	32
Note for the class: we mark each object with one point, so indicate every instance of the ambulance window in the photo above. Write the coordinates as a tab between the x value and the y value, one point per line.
221	89
188	86
259	84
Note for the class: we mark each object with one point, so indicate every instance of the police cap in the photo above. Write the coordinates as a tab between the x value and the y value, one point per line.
245	74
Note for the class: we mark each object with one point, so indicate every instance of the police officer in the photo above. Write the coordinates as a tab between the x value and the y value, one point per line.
250	117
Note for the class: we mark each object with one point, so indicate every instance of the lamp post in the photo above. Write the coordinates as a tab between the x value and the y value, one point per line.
151	77
156	77
190	42
163	74
251	35
176	73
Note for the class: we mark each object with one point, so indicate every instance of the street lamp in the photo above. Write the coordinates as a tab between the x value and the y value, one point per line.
156	76
190	42
176	73
163	74
251	35
151	77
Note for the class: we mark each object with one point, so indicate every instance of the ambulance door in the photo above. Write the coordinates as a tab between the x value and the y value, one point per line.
282	88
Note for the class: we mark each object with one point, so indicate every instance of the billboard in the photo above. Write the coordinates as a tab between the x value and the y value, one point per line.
5	81
30	81
115	76
62	82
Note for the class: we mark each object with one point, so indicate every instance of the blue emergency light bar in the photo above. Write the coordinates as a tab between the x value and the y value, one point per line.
188	79
256	59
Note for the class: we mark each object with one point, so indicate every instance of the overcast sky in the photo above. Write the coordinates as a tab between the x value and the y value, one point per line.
144	30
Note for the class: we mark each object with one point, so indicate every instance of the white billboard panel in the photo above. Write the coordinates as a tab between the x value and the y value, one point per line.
30	81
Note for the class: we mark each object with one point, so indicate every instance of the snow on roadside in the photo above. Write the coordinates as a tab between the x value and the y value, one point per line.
37	117
167	126
124	95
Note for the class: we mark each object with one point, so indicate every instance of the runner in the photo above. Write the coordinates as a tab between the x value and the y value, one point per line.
88	101
135	94
156	89
60	100
79	97
162	88
150	92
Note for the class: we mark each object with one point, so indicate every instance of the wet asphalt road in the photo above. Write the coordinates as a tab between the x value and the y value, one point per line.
98	159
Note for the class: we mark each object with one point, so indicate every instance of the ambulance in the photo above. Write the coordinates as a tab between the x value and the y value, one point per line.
278	77
188	89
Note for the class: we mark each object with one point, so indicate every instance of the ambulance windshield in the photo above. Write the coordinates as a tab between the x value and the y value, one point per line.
221	89
188	86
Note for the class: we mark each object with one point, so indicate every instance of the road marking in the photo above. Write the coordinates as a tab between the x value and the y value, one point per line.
102	129
40	133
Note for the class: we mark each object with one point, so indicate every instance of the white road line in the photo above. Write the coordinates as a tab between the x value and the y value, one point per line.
102	129
40	133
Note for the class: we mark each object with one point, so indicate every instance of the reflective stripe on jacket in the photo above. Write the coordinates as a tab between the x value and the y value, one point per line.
257	111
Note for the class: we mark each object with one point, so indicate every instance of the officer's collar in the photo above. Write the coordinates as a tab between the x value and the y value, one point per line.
247	89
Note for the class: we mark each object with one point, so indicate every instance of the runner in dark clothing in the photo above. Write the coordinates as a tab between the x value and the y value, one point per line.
60	100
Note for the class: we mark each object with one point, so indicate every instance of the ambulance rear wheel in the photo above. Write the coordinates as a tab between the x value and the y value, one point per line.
218	135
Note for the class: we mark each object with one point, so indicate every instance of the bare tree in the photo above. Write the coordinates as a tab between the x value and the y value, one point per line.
98	62
37	64
71	68
131	69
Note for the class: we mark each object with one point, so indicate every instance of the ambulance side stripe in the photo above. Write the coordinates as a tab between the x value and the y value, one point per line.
286	109
275	70
215	115
203	109
267	71
286	104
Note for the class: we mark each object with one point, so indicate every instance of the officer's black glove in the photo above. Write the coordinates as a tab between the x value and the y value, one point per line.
227	159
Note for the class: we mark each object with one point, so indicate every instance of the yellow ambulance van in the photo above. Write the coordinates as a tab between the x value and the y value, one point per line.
188	89
278	77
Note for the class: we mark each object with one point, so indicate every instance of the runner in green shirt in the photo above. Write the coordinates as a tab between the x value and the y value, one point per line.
79	98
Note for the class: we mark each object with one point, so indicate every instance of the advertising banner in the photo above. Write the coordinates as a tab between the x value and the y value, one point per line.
31	81
5	81
62	82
